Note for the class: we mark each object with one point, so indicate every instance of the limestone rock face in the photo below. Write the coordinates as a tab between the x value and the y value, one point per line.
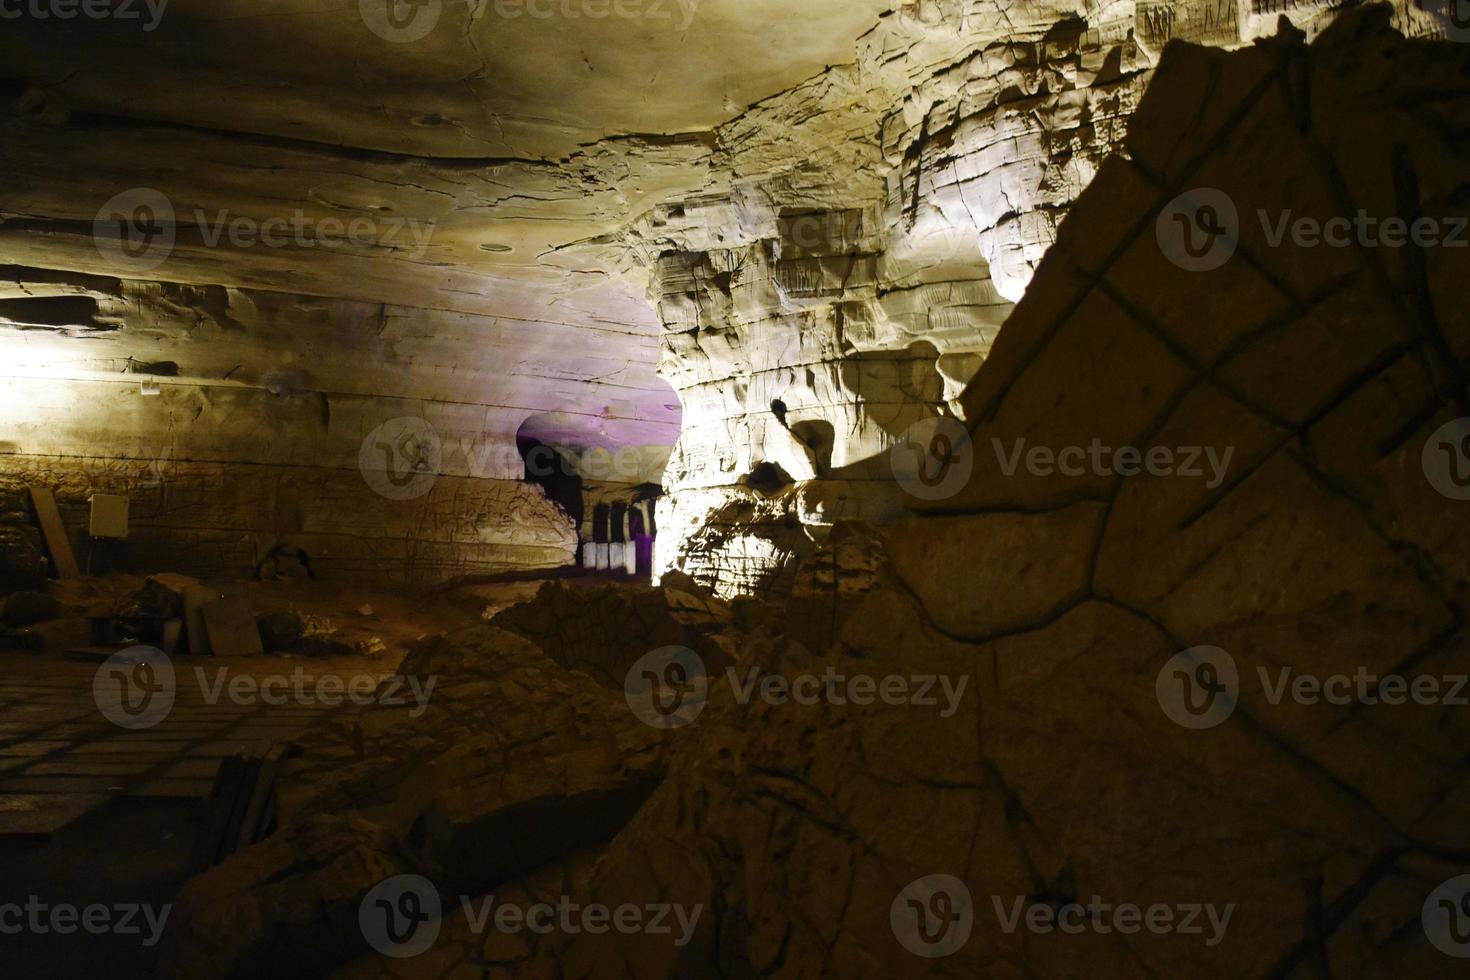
22	560
1326	550
811	336
829	291
217	520
1034	615
511	220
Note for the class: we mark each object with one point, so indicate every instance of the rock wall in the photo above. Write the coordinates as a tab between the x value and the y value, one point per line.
1328	549
403	232
863	239
1076	772
221	520
237	420
23	562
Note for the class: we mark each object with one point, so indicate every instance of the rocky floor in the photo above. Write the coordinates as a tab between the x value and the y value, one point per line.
94	813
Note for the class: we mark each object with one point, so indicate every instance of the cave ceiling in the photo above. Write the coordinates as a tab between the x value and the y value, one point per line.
478	173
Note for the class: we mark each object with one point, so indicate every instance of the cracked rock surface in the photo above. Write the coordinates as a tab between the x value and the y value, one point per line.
1060	778
513	221
1055	776
828	291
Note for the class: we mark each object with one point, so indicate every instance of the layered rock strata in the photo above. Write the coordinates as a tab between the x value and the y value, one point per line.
1058	768
865	236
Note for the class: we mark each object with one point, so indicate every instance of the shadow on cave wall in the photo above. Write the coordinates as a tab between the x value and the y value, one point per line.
554	474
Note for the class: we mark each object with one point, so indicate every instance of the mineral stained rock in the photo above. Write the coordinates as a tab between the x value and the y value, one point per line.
1061	781
828	292
761	258
1034	771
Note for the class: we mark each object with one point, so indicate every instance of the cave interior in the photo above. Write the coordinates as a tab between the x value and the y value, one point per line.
696	488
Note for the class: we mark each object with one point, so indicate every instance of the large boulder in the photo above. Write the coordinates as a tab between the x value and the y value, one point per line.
1063	787
481	761
287	907
484	755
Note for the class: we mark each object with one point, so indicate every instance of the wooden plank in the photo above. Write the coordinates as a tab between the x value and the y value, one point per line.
249	778
57	543
232	630
261	811
234	780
